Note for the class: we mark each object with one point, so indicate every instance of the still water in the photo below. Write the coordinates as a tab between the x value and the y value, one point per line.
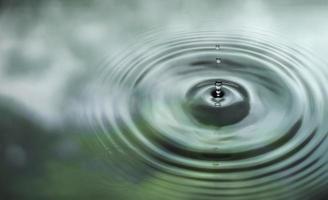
177	100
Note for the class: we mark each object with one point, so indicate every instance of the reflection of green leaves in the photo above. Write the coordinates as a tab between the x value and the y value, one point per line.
89	171
71	180
155	188
75	179
24	146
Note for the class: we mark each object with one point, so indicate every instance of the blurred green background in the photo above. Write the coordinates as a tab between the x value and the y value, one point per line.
49	52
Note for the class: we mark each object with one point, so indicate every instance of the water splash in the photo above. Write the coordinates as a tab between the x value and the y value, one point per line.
265	139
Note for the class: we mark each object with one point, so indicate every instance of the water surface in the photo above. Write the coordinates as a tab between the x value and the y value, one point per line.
113	100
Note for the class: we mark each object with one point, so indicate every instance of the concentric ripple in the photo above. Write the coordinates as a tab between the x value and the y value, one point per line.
264	139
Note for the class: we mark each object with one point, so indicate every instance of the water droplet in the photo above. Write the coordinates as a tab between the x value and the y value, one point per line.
218	60
217	47
218	85
217	93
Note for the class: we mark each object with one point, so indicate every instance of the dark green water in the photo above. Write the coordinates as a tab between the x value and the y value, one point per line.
113	100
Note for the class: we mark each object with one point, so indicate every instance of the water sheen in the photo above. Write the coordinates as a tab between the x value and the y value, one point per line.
264	139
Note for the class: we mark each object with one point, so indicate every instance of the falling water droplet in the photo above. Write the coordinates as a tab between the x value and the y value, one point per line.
218	60
217	93
217	47
218	85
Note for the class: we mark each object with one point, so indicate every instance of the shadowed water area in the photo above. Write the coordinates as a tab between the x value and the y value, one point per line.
163	100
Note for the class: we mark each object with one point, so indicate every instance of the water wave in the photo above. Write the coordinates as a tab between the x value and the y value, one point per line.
264	139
